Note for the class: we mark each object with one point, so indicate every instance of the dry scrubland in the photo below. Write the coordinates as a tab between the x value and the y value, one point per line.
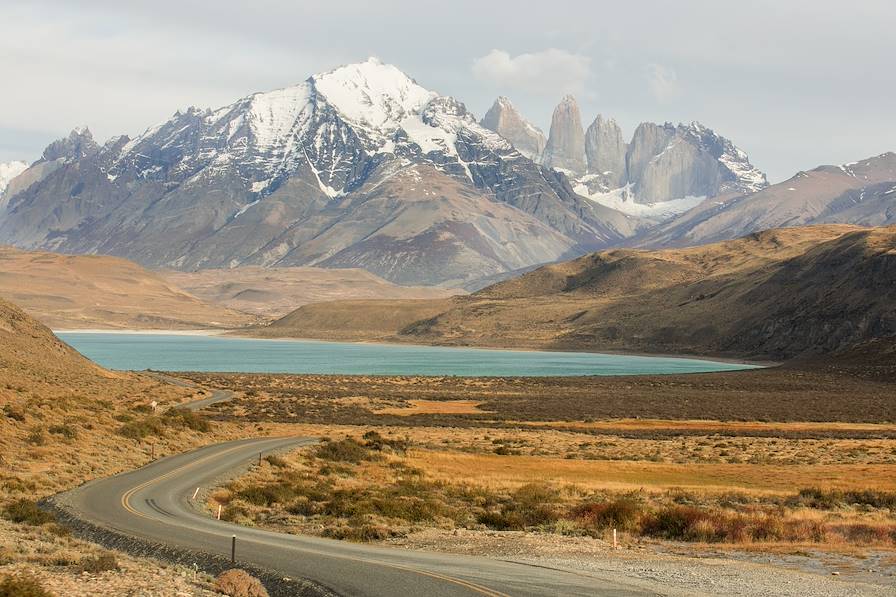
800	458
63	421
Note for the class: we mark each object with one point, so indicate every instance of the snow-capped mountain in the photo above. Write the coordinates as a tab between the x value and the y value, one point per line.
10	170
357	167
663	171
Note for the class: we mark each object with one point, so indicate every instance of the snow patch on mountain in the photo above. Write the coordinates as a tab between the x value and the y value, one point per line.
622	199
10	170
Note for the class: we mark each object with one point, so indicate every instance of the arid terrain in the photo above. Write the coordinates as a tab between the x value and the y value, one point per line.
88	291
274	292
793	465
64	421
773	295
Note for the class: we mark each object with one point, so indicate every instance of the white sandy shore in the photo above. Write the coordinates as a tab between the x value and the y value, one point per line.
145	332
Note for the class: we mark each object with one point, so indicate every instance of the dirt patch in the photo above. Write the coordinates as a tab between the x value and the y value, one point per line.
434	407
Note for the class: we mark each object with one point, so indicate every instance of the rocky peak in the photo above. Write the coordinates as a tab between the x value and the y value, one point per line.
605	151
504	119
565	148
77	145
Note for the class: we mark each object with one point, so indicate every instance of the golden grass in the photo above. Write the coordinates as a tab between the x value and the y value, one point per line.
513	471
434	407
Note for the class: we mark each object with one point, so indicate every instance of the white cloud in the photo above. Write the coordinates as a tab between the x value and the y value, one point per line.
549	72
662	82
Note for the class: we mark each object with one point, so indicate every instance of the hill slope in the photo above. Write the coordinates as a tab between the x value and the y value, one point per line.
772	295
275	291
83	291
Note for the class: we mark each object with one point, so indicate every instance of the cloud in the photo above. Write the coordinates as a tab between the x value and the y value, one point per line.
549	72
662	82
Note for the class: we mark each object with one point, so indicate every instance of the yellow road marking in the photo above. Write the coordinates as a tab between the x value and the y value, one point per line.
126	504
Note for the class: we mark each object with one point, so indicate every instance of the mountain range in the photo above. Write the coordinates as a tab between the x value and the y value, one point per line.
362	167
663	170
357	167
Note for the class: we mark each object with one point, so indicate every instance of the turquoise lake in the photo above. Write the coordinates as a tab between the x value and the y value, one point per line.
214	353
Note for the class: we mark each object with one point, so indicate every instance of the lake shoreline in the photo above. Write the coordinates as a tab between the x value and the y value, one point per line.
235	333
204	350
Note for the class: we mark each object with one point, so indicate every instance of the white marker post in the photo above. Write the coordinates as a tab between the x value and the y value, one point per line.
195	493
615	545
219	511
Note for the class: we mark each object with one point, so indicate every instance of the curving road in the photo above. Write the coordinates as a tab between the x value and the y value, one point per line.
155	503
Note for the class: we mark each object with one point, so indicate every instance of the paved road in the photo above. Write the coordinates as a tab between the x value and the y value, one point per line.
154	503
217	396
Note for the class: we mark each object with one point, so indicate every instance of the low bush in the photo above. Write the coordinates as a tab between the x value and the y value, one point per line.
275	460
346	450
97	564
25	511
239	583
22	585
36	437
624	514
12	413
831	499
66	431
181	417
141	428
375	441
531	505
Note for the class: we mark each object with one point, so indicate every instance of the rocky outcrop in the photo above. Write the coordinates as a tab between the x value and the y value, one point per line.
863	193
79	144
605	151
666	162
565	149
504	119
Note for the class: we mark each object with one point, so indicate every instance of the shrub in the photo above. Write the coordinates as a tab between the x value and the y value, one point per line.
360	532
530	505
25	511
66	431
97	564
13	414
142	428
182	417
822	499
265	495
22	585
375	441
36	437
239	583
275	460
346	450
673	522
624	514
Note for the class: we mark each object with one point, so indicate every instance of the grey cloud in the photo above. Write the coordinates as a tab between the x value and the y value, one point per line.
794	83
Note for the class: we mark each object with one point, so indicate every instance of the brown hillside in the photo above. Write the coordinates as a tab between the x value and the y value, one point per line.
771	295
274	292
353	320
88	291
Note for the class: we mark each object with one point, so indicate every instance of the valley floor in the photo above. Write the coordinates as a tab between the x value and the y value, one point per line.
717	483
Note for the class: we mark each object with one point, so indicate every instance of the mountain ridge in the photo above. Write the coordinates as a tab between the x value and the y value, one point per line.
309	175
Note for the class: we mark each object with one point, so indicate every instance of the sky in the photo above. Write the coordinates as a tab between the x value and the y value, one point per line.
793	83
